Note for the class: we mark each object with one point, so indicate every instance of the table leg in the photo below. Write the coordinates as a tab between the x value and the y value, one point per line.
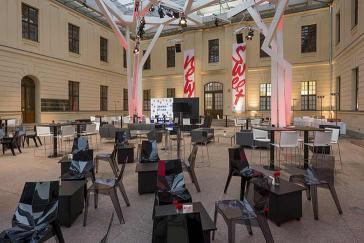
305	149
247	124
271	162
55	143
226	121
6	128
78	130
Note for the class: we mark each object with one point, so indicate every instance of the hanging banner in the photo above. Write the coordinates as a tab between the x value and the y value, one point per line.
238	82
189	74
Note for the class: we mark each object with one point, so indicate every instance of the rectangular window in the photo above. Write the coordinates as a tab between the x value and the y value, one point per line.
125	63
29	22
171	92
147	62
214	51
262	53
103	98
146	100
171	56
354	13
338	92
74	95
308	95
308	38
125	100
73	38
356	88
54	105
338	28
265	94
103	49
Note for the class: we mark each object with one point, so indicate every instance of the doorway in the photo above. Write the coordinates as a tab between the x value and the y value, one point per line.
28	100
214	99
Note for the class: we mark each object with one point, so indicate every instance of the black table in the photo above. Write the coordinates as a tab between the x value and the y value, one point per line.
272	130
207	224
226	120
285	200
147	177
71	201
65	163
306	130
125	152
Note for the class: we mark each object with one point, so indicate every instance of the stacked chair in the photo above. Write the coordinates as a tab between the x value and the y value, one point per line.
35	219
189	166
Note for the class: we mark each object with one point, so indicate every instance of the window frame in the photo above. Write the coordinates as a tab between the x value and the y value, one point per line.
146	99
265	97
104	46
125	62
214	51
309	38
72	86
26	33
354	13
338	28
73	38
355	73
104	98
171	92
125	100
171	56
308	96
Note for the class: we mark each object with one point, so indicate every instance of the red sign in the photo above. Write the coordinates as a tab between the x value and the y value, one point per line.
238	82
189	74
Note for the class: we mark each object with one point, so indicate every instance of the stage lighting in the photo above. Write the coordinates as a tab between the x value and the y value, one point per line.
250	34
176	15
216	22
161	12
151	9
183	21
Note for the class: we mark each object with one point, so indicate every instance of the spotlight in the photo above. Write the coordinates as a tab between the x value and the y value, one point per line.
250	34
169	14
161	12
151	9
176	15
142	22
183	21
216	22
136	50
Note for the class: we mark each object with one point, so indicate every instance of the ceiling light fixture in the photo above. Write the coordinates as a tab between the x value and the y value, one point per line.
161	12
250	34
183	21
151	9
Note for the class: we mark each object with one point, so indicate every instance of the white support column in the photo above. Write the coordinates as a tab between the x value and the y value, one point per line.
129	74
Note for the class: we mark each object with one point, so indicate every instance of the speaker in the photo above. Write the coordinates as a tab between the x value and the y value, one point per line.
239	38
178	47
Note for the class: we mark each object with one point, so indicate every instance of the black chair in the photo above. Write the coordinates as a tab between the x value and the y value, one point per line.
35	219
105	239
239	166
11	143
32	135
190	166
108	157
149	152
170	184
108	187
181	228
250	213
319	175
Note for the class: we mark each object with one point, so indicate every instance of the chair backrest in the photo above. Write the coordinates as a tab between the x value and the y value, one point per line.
257	133
255	122
186	121
12	122
236	122
289	138
322	138
80	143
170	176
43	131
92	118
149	151
67	131
97	126
334	135
240	121
237	159
105	239
91	128
193	155
38	204
84	155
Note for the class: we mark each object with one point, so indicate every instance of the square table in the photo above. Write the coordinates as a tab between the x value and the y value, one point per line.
285	200
272	131
147	177
124	152
228	135
71	201
207	224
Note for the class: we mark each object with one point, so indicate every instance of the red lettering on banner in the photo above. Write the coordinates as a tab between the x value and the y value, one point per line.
189	87
238	70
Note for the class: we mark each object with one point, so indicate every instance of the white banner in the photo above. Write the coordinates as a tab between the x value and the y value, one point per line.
189	85
238	82
161	107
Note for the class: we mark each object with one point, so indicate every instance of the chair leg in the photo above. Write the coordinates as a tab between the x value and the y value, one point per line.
96	198
57	232
123	193
96	165
116	203
231	232
336	199
264	226
308	193
228	181
12	149
313	191
338	147
86	208
112	165
249	227
215	221
194	180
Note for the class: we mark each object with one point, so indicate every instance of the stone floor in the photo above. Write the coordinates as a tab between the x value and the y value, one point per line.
331	227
